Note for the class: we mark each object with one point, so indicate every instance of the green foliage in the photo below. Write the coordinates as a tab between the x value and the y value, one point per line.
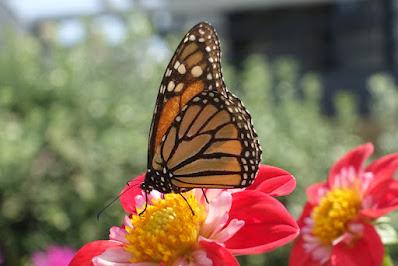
74	131
75	123
296	136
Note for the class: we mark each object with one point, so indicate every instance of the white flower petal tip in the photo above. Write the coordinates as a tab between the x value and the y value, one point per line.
217	214
155	194
356	228
196	258
127	221
139	201
230	230
116	256
118	234
321	254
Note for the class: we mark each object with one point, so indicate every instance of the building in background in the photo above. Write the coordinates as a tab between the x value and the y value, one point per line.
343	40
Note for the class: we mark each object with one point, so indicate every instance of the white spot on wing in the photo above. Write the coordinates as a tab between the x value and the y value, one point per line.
176	65
179	87
181	69
162	88
196	71
170	86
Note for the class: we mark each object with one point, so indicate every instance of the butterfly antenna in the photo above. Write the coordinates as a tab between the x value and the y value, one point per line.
115	199
146	204
193	213
204	194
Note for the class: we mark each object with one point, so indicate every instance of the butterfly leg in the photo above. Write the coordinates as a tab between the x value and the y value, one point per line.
204	194
146	204
193	213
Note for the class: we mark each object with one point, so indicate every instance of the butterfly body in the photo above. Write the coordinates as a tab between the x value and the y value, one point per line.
201	134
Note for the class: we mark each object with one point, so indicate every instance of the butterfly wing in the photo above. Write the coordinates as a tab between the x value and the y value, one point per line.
211	144
201	135
194	67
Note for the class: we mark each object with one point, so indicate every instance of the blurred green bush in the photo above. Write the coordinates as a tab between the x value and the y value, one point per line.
74	125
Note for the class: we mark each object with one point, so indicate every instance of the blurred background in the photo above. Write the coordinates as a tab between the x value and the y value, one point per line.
78	82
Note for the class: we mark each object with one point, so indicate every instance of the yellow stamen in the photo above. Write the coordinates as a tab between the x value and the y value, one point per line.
166	230
334	211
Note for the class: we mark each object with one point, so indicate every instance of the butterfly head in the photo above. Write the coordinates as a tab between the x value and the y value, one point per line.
158	180
146	187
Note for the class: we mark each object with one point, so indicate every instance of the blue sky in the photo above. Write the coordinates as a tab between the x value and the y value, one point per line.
32	9
70	31
29	10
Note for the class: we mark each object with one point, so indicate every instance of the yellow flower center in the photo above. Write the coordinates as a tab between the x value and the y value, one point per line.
335	209
166	230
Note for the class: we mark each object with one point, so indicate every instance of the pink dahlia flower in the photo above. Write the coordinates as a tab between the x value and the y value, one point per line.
53	256
336	223
234	222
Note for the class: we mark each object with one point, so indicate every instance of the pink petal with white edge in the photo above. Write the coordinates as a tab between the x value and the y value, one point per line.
85	254
299	256
118	234
127	222
226	233
129	192
349	166
218	254
268	224
196	258
273	181
140	202
304	218
116	256
316	191
383	200
217	214
382	170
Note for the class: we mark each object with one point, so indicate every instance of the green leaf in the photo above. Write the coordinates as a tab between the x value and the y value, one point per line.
387	234
387	261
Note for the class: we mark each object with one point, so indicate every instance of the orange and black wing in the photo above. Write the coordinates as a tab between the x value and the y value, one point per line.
195	67
201	135
211	144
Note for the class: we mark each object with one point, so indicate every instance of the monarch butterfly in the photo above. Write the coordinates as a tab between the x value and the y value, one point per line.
201	135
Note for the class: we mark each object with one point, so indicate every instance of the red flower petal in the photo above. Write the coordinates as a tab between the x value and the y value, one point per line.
383	170
268	224
300	257
366	251
86	253
316	191
305	213
218	254
384	198
127	195
354	158
273	181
